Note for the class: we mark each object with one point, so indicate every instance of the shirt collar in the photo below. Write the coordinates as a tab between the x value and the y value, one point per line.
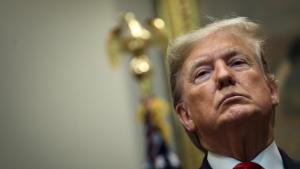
268	158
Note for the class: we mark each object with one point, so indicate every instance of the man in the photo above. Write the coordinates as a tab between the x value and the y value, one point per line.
225	96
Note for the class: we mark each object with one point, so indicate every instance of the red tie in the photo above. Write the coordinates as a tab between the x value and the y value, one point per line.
248	165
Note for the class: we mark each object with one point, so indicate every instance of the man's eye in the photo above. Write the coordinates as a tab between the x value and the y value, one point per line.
238	62
202	75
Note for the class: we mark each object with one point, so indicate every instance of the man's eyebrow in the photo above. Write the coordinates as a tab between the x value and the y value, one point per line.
206	59
201	60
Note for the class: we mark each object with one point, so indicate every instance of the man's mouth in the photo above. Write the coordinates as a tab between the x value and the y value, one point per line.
231	97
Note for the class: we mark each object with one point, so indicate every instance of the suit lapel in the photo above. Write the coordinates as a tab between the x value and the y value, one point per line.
205	164
288	163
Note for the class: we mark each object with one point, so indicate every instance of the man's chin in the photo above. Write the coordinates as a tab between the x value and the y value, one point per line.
237	113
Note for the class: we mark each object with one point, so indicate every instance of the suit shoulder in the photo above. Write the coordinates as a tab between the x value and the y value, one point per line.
288	162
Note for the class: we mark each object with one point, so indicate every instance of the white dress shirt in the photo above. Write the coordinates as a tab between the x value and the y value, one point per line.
269	158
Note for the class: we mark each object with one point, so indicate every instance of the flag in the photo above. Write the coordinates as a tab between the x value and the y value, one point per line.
159	155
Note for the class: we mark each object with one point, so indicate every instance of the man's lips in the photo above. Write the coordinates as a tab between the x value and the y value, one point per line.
231	96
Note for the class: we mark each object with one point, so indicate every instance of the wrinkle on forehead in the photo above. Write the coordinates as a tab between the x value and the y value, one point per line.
219	41
219	44
221	53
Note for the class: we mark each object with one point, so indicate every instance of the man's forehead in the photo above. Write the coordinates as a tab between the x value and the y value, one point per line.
219	53
214	40
222	53
219	44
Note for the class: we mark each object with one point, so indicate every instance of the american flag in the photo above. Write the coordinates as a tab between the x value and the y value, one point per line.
158	152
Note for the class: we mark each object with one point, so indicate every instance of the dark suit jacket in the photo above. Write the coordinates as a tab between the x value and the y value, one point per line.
288	163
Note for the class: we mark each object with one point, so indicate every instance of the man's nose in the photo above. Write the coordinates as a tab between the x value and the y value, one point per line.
223	75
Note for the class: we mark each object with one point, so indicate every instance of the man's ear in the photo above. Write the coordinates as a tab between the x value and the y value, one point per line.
274	91
184	116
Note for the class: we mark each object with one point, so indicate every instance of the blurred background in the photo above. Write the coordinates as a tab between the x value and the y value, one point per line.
64	107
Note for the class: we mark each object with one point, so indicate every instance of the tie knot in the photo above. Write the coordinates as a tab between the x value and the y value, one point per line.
247	165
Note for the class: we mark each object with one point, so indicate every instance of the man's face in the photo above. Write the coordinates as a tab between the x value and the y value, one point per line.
223	85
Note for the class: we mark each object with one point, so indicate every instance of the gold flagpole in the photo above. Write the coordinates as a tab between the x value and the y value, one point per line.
181	16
